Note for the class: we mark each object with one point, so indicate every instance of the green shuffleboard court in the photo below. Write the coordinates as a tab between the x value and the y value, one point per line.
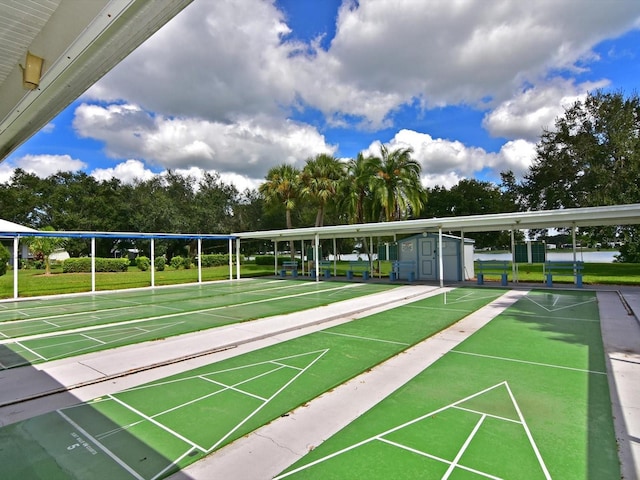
36	331
155	429
526	397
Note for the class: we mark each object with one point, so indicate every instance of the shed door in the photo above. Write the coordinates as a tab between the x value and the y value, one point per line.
427	258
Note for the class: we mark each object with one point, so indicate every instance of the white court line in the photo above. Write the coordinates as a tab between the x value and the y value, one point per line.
93	339
238	390
463	448
387	432
116	309
113	456
529	363
285	365
591	300
248	417
31	351
51	323
472	298
171	464
497	417
433	457
156	423
227	387
172	315
217	315
74	352
212	394
363	338
567	319
438	308
224	370
547	475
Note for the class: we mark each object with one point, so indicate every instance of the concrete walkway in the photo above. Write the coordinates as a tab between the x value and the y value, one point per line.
621	337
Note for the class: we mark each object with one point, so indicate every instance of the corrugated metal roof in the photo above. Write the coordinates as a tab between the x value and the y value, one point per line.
578	217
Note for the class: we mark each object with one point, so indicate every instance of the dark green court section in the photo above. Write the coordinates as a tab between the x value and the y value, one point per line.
526	397
152	430
120	318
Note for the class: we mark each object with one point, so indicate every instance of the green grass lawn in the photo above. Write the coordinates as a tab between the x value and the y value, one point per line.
33	282
593	273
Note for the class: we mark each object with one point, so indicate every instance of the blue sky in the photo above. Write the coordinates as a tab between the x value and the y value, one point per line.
239	86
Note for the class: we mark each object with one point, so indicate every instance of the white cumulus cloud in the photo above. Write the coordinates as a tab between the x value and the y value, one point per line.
445	162
528	113
45	165
246	148
127	172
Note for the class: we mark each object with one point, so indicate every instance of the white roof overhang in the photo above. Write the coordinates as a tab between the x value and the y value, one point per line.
79	40
7	226
564	218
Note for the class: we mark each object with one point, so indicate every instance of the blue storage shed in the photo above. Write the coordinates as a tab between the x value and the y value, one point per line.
421	253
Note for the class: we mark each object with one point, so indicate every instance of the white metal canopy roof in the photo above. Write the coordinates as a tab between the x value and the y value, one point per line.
79	40
564	218
7	226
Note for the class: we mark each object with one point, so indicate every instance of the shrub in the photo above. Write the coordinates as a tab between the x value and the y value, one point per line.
143	263
270	259
176	262
160	263
83	265
215	260
186	262
4	259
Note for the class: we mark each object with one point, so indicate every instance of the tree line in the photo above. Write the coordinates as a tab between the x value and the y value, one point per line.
590	158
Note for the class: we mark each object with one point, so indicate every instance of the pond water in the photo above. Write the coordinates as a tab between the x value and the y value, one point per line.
562	256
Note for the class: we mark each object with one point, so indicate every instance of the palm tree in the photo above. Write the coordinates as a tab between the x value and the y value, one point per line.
321	177
282	186
356	197
45	246
396	184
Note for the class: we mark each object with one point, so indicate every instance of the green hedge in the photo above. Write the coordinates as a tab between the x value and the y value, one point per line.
5	255
270	259
215	260
83	265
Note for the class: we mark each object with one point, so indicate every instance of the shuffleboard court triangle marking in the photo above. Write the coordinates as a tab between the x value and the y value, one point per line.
464	403
495	402
315	355
555	298
248	372
313	358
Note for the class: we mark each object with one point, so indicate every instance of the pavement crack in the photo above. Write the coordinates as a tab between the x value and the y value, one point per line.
279	445
93	368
